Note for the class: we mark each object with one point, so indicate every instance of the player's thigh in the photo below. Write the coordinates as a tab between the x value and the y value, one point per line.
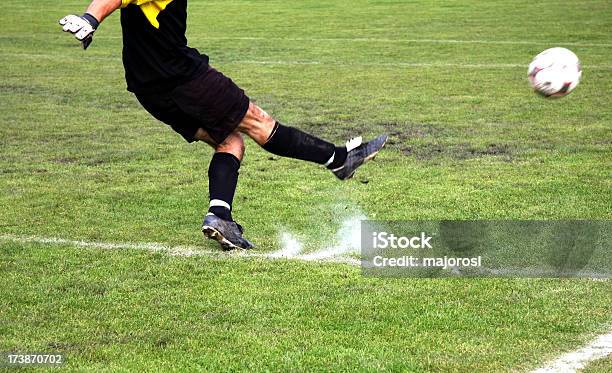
214	101
163	108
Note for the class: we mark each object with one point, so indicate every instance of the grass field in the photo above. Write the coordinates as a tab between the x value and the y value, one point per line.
80	160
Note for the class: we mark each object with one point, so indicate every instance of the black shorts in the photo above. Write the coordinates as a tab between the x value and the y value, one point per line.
210	101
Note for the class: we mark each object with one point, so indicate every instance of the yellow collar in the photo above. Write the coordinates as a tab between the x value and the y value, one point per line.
150	8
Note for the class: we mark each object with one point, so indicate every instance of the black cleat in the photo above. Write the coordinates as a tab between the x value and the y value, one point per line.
227	233
358	154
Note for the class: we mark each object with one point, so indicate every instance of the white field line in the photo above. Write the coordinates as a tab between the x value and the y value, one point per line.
81	59
416	41
579	359
356	40
292	250
185	251
154	247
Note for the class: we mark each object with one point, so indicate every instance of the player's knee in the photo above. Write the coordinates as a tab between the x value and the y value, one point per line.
233	144
257	124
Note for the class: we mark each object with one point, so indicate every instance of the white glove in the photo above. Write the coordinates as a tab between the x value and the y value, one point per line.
82	27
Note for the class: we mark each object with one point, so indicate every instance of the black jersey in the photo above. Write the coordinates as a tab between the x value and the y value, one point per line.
155	52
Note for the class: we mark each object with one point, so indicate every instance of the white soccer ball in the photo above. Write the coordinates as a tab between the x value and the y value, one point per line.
555	72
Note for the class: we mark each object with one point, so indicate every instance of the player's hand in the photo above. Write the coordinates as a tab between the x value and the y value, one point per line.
82	27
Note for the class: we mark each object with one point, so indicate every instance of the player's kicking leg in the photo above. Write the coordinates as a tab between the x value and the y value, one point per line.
290	142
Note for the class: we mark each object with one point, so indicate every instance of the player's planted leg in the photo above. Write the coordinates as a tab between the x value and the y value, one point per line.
222	181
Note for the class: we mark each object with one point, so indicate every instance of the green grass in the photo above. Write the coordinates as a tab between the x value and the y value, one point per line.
132	310
80	159
600	366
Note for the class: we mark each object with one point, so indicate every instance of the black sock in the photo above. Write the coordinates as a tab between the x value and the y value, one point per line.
293	143
339	157
222	181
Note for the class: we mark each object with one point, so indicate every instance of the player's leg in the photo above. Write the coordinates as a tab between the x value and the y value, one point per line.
223	169
223	172
290	142
209	109
287	141
222	181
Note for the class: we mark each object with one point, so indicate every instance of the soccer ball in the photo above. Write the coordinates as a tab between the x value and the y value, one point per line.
555	72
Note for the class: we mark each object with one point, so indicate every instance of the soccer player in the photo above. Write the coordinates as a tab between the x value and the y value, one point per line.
176	85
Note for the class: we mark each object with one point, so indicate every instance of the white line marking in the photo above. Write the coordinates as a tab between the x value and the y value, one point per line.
575	360
154	247
390	40
185	251
385	64
348	235
80	60
357	40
